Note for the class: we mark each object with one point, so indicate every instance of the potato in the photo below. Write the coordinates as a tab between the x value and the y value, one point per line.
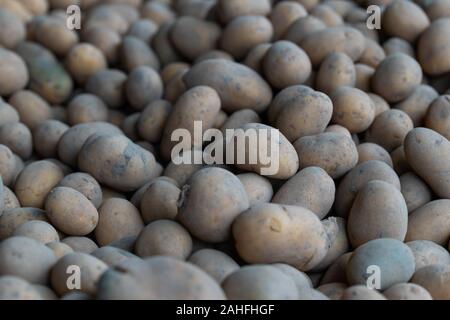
436	9
230	9
160	200
85	184
425	149
399	160
216	263
143	29
396	77
311	188
7	113
300	111
407	291
46	136
427	253
105	39
135	53
26	258
388	218
117	162
343	39
12	29
143	86
394	259
327	14
83	60
129	126
258	188
300	279
35	182
433	48
415	191
389	129
90	269
335	153
281	224
435	279
182	172
360	292
333	290
397	45
364	75
303	27
15	288
118	218
175	87
417	103
371	151
80	244
59	248
380	104
335	71
284	14
255	56
311	294
172	69
157	12
12	218
336	271
208	213
239	118
108	85
238	86
285	64
438	116
373	53
13	72
259	282
430	222
109	17
86	108
163	46
158	278
7	165
18	138
31	108
10	200
222	116
113	256
70	211
40	231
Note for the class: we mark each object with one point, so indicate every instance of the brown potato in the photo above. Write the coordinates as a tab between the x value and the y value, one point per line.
83	60
15	288
105	39
55	36
380	104
216	263
397	45
80	244
31	107
361	292
108	85
284	14
135	53
113	256
258	188
12	218
239	118
371	151
143	29
18	138
364	75
373	53
435	279
163	45
336	271
8	114
40	231
333	290
436	9
335	71
427	253
327	14
7	165
230	9
183	171
255	56
437	117
13	73
407	291
303	27
415	191
85	184
86	108
59	249
10	200
433	48
12	29
46	136
157	12
143	86
129	126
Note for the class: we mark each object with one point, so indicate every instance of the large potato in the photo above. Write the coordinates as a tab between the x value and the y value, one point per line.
270	233
84	183
12	218
436	279
12	29
40	231
13	72
434	46
407	291
230	9
415	191
258	188
336	70
437	117
218	264
427	253
417	103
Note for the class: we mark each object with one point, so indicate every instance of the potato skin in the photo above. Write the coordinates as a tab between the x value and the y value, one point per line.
258	188
238	86
407	291
417	104
83	60
415	191
379	211
143	86
14	75
15	288
430	222
311	188
86	108
434	46
361	292
18	138
160	200
216	263
70	211
80	244
336	70
281	224
435	279
230	9
152	120
59	248
40	231
284	14
46	136
84	183
424	149
371	151
158	278
12	29
438	116
427	253
112	256
108	85
208	213
394	258
302	27
335	153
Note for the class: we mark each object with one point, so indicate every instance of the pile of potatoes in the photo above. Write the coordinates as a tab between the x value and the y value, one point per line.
88	182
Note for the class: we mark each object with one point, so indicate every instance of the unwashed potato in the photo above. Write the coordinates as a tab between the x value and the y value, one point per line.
361	292
239	118
112	256
85	184
10	200
7	113
12	218
40	231
371	151
32	109
12	29
394	45
407	291
303	27
258	188
230	9
135	53
16	288
7	165
18	138
333	290
80	244
59	248
13	73
434	46
417	103
427	253
434	278
108	85
46	136
86	108
336	70
266	232
438	116
415	191
143	86
284	14
216	263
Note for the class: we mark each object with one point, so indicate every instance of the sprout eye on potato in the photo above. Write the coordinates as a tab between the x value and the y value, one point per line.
323	150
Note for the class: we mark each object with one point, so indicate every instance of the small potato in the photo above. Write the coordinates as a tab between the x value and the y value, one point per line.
285	64
135	53
380	104
353	109
427	253
183	171
335	71
373	54
433	48
437	117
333	290
13	72
284	14
300	279
216	263
40	231
327	14
8	114
193	37
80	244
430	222
404	19
401	166
108	85
46	136
335	153
143	86
259	282
239	118
35	182
12	218
31	107
379	211
265	232
311	188
55	36
425	149
415	191
361	292
26	258
118	218
86	108
209	212
398	45
105	39
336	271
238	86
83	60
12	29
343	39
396	77
300	111
7	165
70	211
164	238
160	200
230	9
435	279
371	151
163	45
18	138
15	288
394	259
59	249
407	291
364	75
129	126
85	184
90	267
258	188
45	292
10	200
389	129
117	162
303	27
157	12
255	56
113	256
143	29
